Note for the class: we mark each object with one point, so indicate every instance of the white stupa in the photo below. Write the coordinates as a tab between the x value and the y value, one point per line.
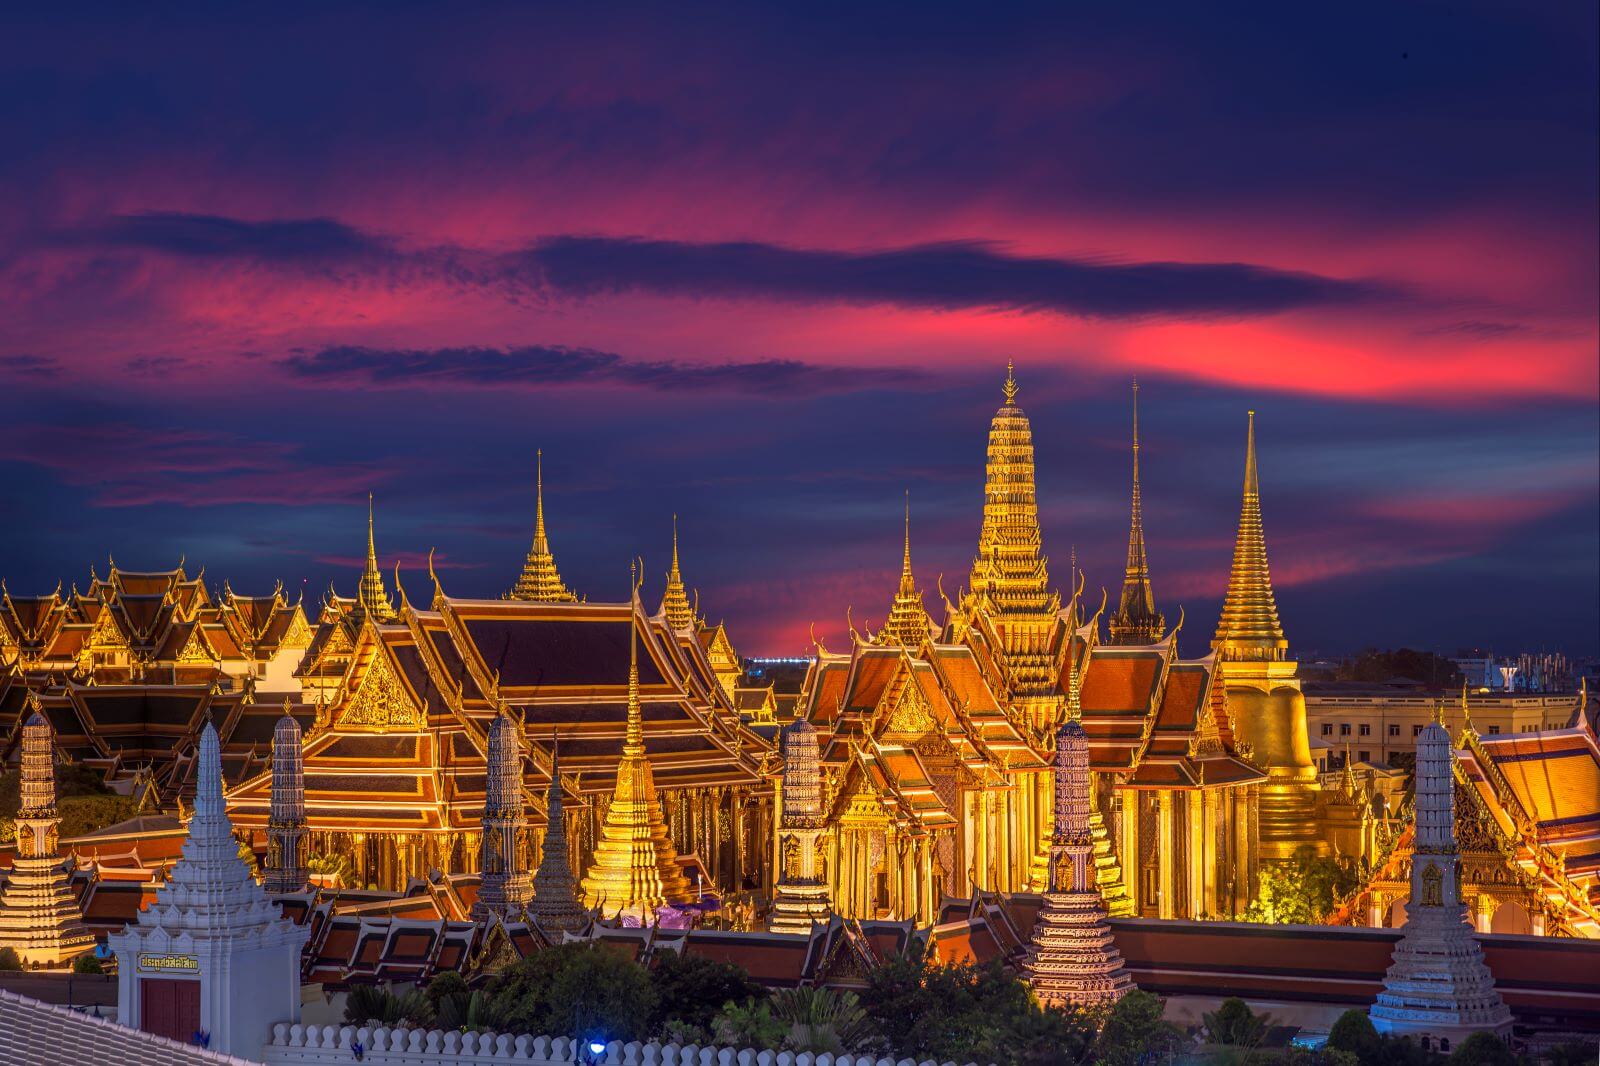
1438	986
1072	957
211	954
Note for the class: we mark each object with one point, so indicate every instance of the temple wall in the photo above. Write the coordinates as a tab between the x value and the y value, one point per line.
328	1045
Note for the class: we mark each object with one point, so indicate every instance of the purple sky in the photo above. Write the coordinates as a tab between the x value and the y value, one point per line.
765	270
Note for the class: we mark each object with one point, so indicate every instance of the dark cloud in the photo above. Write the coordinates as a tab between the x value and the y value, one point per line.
316	240
29	366
539	365
947	276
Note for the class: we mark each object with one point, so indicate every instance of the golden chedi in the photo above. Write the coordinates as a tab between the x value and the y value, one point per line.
635	871
1263	686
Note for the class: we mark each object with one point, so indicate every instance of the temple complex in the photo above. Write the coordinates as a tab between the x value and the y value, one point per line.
396	765
39	916
1438	986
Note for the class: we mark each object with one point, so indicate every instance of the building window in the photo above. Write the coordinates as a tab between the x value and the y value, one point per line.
1416	730
1344	729
1394	729
1366	729
1364	756
1327	729
1494	729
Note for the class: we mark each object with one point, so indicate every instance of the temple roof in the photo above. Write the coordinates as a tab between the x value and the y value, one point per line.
1541	788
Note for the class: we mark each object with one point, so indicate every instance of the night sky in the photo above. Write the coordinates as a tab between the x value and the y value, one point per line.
765	270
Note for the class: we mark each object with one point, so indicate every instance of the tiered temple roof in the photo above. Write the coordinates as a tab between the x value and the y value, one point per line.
1541	790
401	741
159	626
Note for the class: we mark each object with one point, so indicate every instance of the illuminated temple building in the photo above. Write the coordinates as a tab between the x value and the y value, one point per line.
395	762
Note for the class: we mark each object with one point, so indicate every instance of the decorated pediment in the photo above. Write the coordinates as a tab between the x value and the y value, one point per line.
298	635
197	649
380	701
106	634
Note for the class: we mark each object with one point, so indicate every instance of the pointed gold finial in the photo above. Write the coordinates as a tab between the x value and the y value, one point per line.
1249	628
540	581
633	746
908	624
1011	384
1137	622
370	594
675	600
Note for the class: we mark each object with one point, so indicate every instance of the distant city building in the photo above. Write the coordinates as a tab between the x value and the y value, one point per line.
1372	723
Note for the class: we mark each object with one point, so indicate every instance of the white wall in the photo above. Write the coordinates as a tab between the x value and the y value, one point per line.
314	1045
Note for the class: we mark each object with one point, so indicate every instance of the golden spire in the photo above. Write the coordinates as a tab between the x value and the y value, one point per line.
370	594
675	601
1249	627
540	581
1137	621
908	624
1010	580
635	869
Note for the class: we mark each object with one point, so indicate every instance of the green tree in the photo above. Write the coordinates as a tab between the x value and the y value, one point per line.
87	963
1374	666
1233	1022
1573	1053
1354	1033
1303	890
1482	1049
578	989
692	990
1134	1033
967	1013
748	1025
821	1020
9	959
389	1005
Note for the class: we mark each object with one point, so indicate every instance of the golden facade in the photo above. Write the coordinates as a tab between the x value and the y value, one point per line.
915	766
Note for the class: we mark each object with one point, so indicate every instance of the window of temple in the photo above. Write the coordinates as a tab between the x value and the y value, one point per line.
1344	729
1327	729
1364	756
1394	729
1366	729
1493	730
1416	730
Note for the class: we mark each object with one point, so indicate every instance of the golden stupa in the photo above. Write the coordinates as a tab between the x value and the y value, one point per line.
1263	684
635	871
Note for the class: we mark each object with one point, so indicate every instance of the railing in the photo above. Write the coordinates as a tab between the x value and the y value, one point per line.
316	1045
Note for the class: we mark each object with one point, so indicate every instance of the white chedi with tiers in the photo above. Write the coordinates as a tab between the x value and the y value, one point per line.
1438	985
39	916
1072	957
212	923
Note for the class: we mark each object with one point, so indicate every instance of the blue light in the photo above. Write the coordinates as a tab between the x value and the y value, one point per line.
596	1048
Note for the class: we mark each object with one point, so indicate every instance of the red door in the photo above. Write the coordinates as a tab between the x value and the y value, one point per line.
170	1007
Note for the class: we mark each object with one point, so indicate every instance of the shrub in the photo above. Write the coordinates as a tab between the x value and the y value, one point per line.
578	989
1134	1033
9	959
748	1025
821	1020
387	1005
1235	1023
966	1013
1482	1049
1353	1032
692	991
87	964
